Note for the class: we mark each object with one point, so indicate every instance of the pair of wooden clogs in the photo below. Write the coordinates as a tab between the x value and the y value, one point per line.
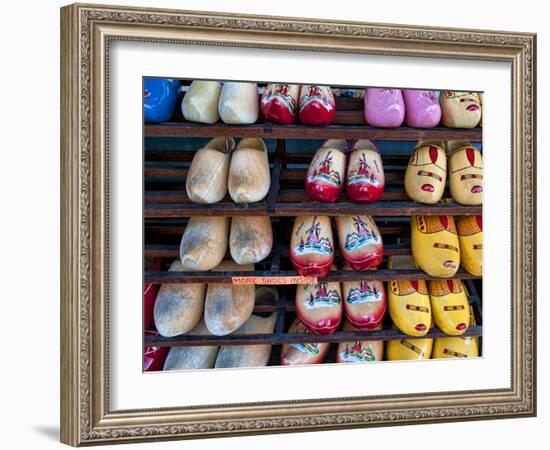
364	177
312	244
313	104
438	250
220	166
226	356
205	239
413	304
233	102
426	172
388	108
180	306
320	306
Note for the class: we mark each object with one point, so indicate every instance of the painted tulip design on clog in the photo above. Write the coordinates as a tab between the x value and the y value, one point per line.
200	103
465	173
426	172
470	236
250	238
365	303
279	102
317	106
150	291
311	245
435	246
365	179
324	178
359	351
204	242
153	357
409	349
303	353
460	109
450	307
249	177
422	109
360	241
239	103
191	357
384	108
228	306
319	306
206	180
160	96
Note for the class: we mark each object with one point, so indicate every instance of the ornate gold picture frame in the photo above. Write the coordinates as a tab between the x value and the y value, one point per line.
87	31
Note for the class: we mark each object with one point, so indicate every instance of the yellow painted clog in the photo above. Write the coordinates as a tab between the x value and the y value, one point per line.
409	349
426	172
450	307
465	173
435	246
455	347
470	236
460	109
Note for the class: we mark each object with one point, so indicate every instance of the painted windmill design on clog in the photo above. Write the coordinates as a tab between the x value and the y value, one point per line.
279	102
360	241
317	106
311	248
319	306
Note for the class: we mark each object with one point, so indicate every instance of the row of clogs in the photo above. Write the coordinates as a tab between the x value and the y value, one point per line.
427	169
440	245
239	103
179	307
320	306
364	176
312	244
221	166
205	240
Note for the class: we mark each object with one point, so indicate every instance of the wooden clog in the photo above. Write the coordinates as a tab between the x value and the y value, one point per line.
470	236
303	353
450	307
465	173
250	238
319	306
153	357
239	103
365	303
248	355
312	245
365	179
204	242
456	347
434	245
249	176
160	96
324	178
179	306
206	180
150	291
459	109
279	102
317	106
384	107
188	357
200	103
359	351
228	306
409	349
360	241
426	172
422	108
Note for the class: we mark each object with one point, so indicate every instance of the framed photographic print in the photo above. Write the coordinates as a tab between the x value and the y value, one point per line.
277	225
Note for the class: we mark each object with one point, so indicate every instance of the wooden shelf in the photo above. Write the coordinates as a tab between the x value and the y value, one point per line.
342	131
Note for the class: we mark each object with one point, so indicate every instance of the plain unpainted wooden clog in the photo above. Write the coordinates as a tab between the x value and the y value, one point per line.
204	243
250	238
179	306
200	103
206	180
249	176
228	306
239	103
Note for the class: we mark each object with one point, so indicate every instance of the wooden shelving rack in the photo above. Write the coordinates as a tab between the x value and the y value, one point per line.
167	208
